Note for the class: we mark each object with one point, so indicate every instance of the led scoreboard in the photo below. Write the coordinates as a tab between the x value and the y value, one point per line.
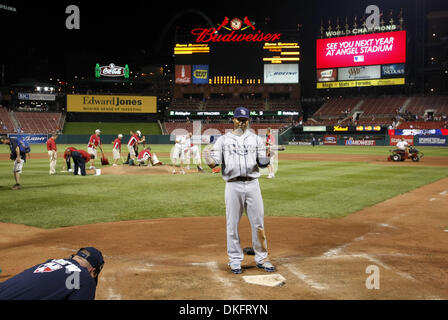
375	59
236	52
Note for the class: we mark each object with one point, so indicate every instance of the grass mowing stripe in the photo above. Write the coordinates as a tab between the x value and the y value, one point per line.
322	189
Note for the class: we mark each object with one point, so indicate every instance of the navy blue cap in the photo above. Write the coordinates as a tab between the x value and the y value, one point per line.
95	258
241	112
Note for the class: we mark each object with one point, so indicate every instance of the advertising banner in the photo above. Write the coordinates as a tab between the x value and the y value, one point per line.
359	73
434	140
330	140
314	128
392	70
393	140
415	132
327	75
183	74
111	103
352	142
368	128
339	128
200	74
281	73
361	50
31	138
37	96
361	83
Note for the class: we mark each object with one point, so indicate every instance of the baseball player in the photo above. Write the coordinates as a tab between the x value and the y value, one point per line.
52	152
17	155
241	153
74	278
193	150
178	153
94	142
116	149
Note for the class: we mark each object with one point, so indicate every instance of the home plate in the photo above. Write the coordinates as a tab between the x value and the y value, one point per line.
272	280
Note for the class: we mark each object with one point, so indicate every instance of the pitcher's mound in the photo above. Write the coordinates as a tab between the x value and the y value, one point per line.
142	170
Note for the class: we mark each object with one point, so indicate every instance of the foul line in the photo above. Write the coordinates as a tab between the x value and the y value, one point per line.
213	267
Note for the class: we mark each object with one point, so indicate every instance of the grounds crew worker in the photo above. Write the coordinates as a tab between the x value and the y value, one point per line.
74	278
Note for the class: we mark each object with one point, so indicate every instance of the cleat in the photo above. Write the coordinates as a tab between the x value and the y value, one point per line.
236	269
267	266
16	187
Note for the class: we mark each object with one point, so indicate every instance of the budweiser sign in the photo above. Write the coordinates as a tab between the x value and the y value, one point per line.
236	28
111	71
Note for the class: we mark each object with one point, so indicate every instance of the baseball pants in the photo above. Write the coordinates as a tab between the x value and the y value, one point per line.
79	163
244	196
53	158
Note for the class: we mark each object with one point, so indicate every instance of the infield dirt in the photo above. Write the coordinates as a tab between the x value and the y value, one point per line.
405	237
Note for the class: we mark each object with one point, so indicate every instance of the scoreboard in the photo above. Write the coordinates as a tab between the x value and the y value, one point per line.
237	63
375	59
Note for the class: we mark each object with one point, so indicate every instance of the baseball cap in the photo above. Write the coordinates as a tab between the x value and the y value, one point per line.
139	133
120	136
97	131
241	112
94	257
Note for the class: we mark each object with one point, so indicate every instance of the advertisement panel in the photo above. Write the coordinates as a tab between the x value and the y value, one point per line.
281	73
361	50
183	74
392	70
314	128
361	83
327	75
393	140
352	142
359	73
330	140
415	132
37	96
434	140
200	74
111	103
368	128
31	138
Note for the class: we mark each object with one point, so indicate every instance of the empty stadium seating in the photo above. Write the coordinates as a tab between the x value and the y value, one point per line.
39	122
422	125
6	125
418	105
379	110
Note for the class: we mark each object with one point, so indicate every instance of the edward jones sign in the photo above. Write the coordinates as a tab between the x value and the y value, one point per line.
362	50
111	103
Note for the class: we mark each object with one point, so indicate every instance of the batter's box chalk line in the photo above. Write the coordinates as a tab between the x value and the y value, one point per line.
271	280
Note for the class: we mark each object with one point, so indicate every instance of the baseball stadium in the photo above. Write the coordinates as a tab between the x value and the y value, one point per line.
348	214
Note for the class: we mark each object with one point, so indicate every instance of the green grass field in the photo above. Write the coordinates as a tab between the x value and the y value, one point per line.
322	189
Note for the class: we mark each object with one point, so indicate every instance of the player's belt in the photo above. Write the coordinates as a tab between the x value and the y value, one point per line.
241	179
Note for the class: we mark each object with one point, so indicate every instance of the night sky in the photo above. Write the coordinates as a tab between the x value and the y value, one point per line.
36	43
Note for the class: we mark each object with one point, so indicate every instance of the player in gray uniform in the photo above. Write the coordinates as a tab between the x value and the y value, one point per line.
241	153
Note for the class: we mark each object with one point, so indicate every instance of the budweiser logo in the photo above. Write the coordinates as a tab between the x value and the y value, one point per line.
235	26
